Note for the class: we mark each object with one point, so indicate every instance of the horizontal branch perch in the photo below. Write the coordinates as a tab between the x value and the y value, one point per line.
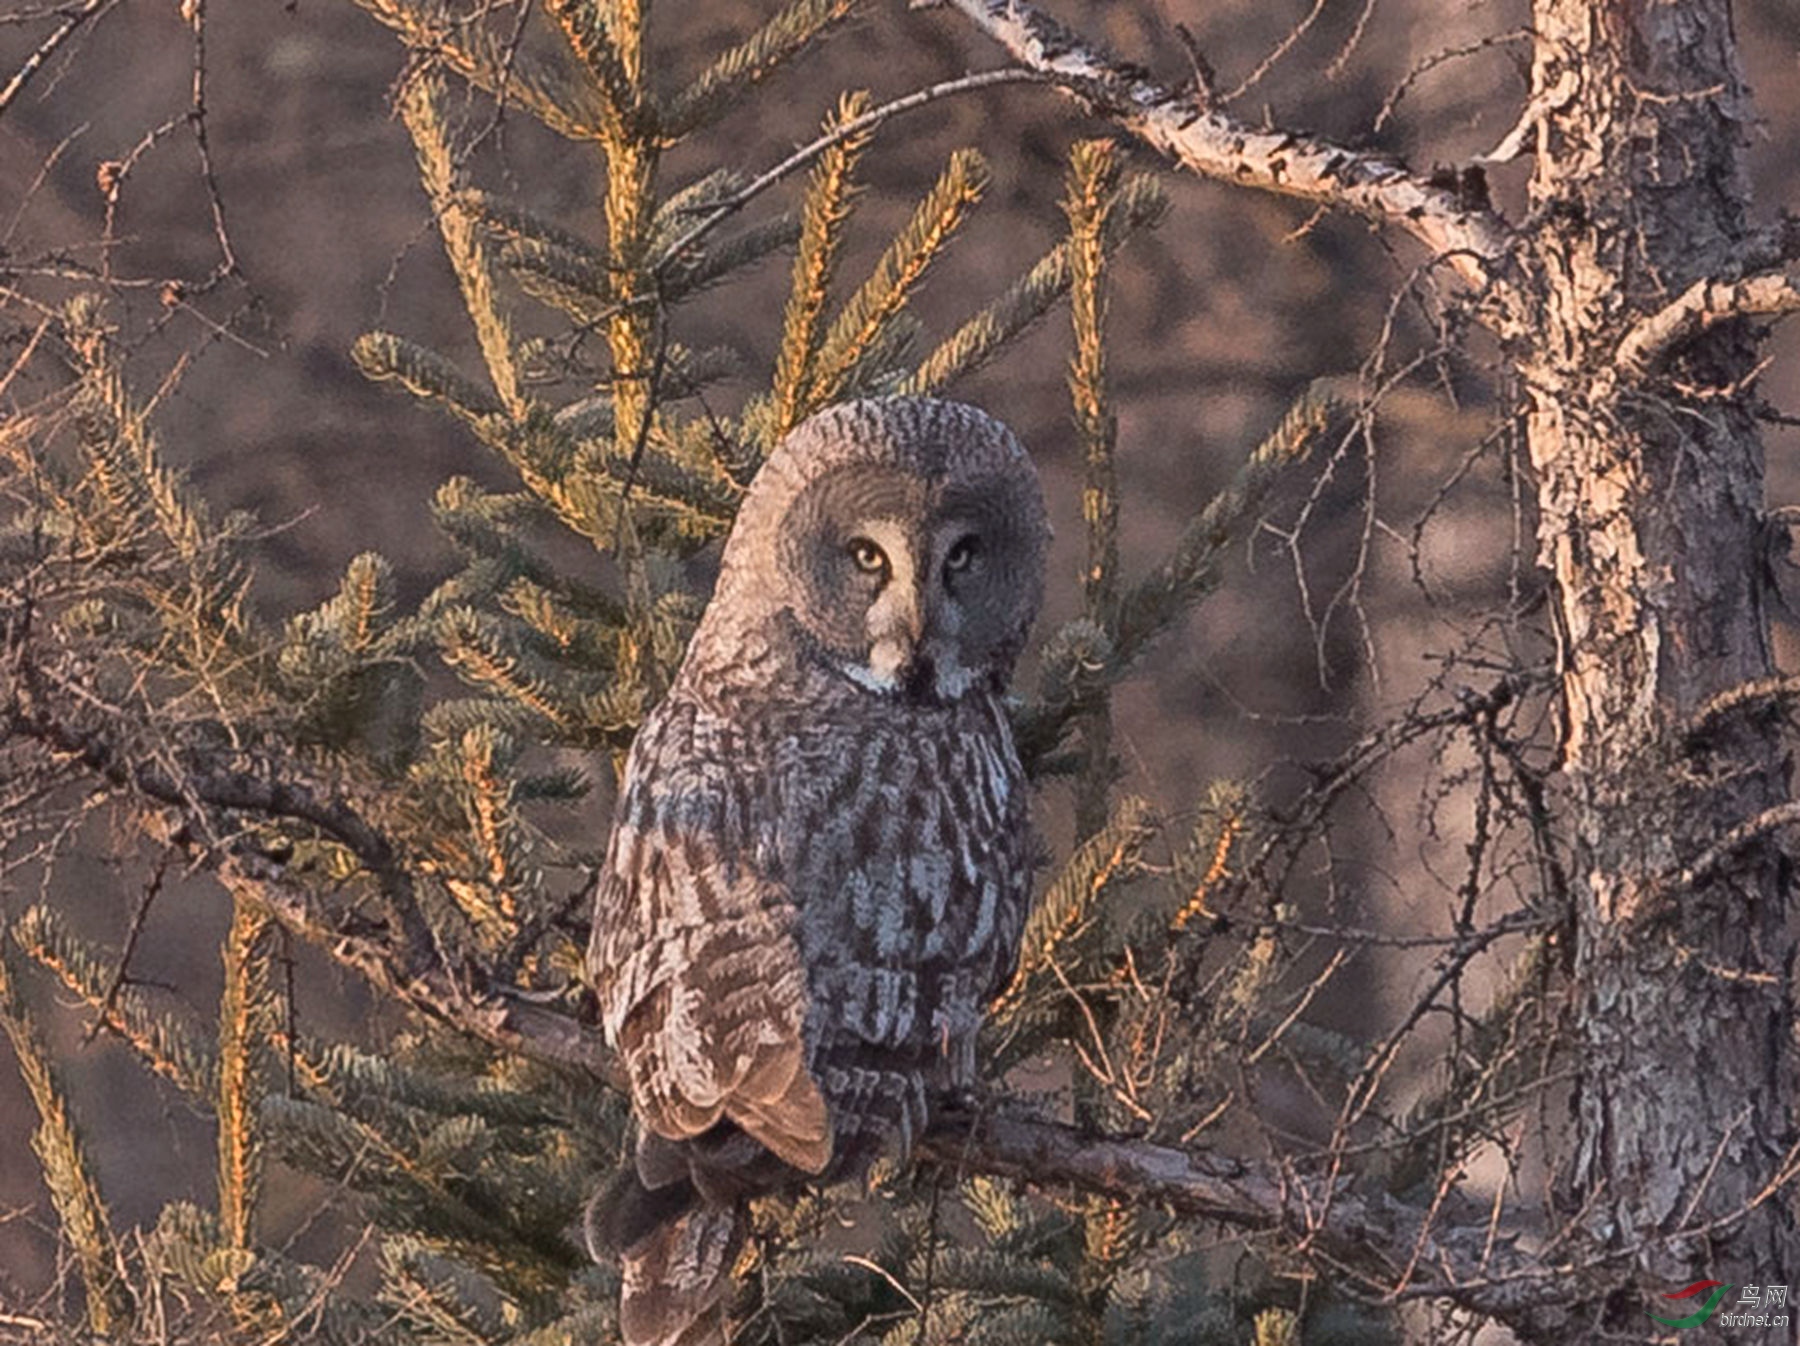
1375	1238
1206	141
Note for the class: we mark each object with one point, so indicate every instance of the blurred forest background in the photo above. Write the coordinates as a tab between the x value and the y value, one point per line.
1373	568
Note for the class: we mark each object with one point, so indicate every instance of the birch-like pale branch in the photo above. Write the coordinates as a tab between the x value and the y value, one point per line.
1705	302
1207	141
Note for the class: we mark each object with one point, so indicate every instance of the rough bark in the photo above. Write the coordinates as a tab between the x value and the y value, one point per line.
1650	494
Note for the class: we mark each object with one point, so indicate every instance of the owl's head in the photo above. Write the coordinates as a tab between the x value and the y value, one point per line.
901	541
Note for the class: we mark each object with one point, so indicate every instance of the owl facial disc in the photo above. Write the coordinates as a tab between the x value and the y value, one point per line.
912	622
896	544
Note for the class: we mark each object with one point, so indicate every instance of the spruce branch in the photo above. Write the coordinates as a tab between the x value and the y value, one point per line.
726	258
1367	1236
64	1164
560	279
1089	200
800	158
543	91
702	505
1084	658
424	373
487	1010
627	113
1142	204
440	1300
422	109
731	78
855	335
510	222
1108	857
1192	569
822	219
246	1013
489	656
169	1044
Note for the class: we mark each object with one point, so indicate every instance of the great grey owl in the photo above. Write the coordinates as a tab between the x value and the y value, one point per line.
819	866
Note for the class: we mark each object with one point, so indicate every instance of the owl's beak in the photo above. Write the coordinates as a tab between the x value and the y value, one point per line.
919	680
896	629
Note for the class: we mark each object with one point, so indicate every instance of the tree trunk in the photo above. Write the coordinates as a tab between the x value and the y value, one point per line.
1650	494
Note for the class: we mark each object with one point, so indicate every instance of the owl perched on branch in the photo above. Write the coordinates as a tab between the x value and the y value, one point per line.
819	865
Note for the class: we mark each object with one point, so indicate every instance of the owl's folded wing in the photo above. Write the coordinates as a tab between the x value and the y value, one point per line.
704	993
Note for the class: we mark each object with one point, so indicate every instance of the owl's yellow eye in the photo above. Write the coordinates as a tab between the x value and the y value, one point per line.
960	556
868	557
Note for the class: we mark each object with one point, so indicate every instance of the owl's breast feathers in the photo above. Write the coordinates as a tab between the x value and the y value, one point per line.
799	925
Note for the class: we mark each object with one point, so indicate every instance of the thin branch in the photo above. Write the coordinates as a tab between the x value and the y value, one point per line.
717	212
1209	142
71	20
1706	302
197	120
1740	838
1282	48
1780	693
107	1014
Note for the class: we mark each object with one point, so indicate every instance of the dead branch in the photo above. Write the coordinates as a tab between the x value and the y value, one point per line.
1707	302
72	19
501	1016
1746	834
216	785
1780	693
1207	141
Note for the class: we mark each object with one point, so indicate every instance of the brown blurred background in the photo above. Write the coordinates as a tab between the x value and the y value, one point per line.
1218	319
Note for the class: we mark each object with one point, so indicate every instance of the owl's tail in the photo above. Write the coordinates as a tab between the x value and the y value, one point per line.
676	1252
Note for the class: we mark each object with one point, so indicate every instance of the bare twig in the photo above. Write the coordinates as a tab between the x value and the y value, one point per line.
71	20
1281	49
197	120
717	212
106	1015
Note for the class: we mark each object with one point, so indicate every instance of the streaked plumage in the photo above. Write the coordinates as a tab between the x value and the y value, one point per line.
819	863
